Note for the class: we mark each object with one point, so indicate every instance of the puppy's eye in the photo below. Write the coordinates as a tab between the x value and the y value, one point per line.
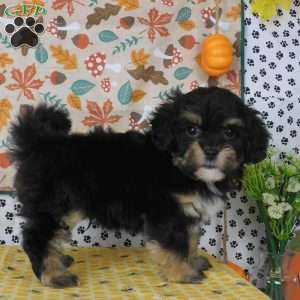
193	131
229	133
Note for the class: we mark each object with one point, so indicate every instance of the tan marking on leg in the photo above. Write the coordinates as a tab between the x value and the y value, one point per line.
174	268
198	263
190	204
53	267
55	273
194	236
73	218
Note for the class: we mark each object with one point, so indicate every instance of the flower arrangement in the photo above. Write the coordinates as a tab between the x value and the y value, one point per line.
275	186
267	9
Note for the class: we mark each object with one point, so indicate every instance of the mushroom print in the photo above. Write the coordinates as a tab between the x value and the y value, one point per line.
53	27
171	57
106	85
167	2
96	63
206	14
194	85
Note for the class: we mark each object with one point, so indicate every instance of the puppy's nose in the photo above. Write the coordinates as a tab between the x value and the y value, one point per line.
210	152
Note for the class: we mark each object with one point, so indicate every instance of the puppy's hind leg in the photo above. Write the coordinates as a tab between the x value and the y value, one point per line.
42	241
68	222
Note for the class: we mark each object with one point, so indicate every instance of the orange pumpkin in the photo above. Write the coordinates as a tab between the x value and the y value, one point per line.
216	55
237	269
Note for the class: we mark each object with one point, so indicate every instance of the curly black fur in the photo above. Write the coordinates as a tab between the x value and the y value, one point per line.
123	180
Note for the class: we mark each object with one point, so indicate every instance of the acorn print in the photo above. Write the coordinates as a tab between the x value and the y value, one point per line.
81	41
2	78
57	77
187	41
126	22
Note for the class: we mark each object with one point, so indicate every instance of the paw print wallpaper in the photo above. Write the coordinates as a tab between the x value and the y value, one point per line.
108	63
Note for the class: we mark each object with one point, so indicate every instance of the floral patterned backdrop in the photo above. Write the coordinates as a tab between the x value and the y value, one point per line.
110	63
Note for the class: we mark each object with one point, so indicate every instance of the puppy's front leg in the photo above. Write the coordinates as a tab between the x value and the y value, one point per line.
199	263
170	248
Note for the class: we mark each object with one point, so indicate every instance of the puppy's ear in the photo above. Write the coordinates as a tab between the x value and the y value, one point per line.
257	135
162	125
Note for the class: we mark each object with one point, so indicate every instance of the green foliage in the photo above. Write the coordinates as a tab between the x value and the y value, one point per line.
53	100
124	45
164	95
4	40
275	185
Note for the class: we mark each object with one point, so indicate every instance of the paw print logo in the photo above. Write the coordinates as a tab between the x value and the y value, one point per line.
25	32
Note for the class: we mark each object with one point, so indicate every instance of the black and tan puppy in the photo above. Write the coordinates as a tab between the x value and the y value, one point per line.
164	183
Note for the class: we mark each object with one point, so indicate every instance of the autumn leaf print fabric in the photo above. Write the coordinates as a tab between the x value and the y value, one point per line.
110	63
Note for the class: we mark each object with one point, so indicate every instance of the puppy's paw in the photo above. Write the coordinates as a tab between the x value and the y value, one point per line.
200	263
193	278
183	273
67	260
61	280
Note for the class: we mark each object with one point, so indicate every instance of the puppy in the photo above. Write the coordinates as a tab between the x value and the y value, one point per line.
164	183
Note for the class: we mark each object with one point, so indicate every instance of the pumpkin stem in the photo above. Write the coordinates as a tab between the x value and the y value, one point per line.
217	14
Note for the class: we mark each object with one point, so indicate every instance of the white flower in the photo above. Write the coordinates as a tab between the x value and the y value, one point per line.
291	170
293	186
275	211
270	183
285	206
269	199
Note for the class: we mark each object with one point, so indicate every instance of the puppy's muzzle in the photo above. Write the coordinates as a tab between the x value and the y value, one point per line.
210	152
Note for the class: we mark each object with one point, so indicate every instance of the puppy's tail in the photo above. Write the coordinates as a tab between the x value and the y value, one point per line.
33	126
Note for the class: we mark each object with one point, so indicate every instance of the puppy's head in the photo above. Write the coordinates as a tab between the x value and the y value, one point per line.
210	133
